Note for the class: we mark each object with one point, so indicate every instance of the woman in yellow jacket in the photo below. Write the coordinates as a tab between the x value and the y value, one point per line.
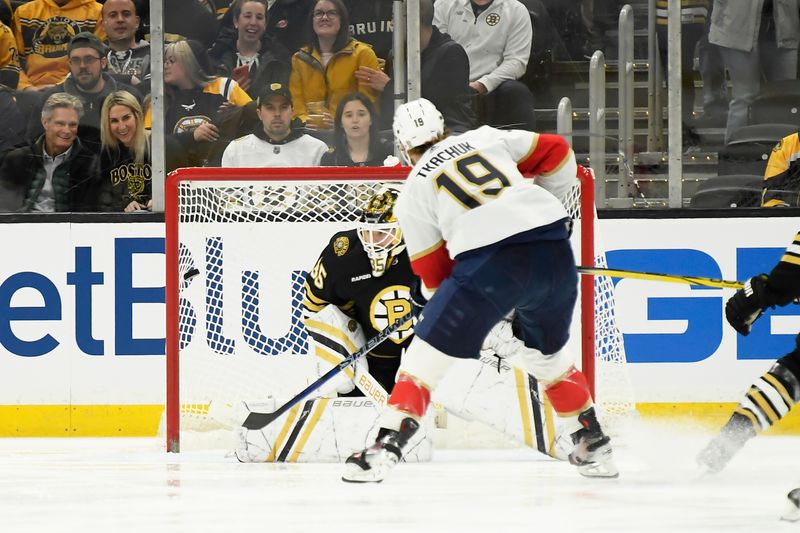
326	69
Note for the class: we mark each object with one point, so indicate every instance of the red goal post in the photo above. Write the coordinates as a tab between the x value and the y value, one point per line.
203	203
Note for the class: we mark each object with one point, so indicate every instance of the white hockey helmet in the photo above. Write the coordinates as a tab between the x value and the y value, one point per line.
378	229
416	123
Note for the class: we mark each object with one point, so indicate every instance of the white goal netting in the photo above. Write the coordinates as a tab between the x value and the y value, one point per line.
239	244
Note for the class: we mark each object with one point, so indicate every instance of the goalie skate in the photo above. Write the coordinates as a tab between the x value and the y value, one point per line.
374	463
592	453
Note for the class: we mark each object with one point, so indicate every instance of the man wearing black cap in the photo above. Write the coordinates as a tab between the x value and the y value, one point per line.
274	142
89	82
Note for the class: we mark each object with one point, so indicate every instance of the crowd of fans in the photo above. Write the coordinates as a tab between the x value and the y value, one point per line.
246	83
291	83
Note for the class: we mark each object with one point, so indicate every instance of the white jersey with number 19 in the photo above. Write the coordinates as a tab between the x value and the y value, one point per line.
468	191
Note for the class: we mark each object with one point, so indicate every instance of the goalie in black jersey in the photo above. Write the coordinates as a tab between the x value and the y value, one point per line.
774	394
361	282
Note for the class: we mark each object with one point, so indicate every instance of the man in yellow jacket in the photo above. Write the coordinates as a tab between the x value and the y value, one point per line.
44	29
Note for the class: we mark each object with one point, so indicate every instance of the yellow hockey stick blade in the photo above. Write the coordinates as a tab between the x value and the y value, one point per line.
671	278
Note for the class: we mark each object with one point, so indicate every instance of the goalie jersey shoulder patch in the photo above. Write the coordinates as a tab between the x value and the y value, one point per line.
342	276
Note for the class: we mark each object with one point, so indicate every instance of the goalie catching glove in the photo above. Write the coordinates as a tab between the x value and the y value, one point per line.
749	302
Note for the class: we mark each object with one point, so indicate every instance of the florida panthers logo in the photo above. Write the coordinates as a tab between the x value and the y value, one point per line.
52	38
388	305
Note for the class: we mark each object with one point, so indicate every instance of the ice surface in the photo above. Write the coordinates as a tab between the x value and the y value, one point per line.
131	485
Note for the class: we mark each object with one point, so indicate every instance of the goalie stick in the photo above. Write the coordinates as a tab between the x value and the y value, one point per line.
260	420
671	278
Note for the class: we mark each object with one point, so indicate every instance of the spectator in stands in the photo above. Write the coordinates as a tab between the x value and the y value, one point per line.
277	141
125	172
194	20
323	71
782	178
44	29
496	35
9	58
90	83
444	73
12	125
693	22
6	10
755	39
357	141
372	22
193	99
56	173
712	71
285	21
128	60
250	56
444	76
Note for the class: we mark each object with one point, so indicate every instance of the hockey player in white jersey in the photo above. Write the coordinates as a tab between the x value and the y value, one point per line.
485	241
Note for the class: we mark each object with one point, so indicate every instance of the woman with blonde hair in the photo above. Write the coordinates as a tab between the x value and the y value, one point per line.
125	171
194	99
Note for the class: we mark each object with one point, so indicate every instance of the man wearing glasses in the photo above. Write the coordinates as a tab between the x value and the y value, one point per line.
89	82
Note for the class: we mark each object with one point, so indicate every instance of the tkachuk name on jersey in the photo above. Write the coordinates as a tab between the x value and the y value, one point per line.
447	154
362	277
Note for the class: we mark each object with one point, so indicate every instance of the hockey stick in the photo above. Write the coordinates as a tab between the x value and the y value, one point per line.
260	420
672	278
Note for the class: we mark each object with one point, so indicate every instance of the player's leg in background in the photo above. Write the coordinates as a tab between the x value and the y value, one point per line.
768	399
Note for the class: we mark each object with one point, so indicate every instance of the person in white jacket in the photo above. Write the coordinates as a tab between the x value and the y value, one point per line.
274	143
497	36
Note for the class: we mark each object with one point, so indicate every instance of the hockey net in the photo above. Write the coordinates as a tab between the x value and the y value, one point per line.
238	245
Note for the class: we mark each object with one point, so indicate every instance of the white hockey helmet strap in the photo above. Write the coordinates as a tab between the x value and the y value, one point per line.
416	123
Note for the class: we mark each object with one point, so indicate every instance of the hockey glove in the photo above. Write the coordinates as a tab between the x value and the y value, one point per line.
744	307
418	299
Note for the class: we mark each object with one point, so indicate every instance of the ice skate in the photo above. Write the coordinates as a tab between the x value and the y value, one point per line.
375	462
724	446
592	453
792	511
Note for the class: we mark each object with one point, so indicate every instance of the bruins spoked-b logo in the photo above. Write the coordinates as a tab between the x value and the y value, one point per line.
52	38
492	19
190	123
388	305
341	245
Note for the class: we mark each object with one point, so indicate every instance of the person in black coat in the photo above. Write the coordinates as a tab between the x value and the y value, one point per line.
250	55
285	22
444	76
57	173
357	141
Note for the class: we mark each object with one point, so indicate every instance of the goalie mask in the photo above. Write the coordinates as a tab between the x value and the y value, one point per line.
379	231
